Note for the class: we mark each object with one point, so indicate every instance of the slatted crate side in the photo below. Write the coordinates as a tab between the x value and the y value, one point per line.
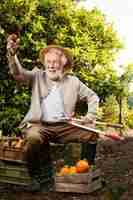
12	154
74	179
14	180
79	178
14	173
78	188
74	188
79	183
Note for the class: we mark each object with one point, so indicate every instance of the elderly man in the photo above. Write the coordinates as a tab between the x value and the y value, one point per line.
54	96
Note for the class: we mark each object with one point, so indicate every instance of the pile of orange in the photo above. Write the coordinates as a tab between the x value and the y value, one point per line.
81	166
16	143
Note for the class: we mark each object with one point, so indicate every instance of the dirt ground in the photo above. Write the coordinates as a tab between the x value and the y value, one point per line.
114	158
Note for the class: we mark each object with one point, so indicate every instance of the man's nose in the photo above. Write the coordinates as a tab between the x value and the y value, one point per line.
52	65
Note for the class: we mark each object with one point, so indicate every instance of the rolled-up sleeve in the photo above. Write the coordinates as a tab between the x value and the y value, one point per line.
18	72
88	95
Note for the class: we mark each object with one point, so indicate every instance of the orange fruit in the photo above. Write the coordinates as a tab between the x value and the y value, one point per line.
14	37
19	143
64	170
14	143
72	170
82	166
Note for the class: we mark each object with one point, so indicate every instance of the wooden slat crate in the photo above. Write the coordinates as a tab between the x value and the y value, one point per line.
13	170
14	173
17	174
11	154
79	183
9	149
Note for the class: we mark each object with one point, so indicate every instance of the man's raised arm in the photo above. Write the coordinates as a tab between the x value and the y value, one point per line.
19	73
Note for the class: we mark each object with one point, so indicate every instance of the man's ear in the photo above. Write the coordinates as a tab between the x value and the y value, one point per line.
63	60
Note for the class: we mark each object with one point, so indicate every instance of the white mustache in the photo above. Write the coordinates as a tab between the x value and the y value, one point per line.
58	75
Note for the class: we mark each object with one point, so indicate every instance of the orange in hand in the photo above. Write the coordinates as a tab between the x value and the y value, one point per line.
13	37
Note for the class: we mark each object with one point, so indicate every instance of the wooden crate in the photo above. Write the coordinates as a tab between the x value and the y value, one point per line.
14	173
11	154
79	183
13	170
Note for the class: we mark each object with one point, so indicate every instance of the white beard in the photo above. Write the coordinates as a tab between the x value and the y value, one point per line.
54	76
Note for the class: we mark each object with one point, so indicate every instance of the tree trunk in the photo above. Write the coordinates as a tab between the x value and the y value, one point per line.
120	110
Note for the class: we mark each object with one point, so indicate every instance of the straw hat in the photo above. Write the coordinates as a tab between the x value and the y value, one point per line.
66	51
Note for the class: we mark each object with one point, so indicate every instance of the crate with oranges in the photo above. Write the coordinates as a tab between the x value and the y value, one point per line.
12	148
81	166
80	178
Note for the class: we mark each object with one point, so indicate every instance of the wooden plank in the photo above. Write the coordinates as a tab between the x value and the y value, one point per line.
14	172
9	152
75	178
13	180
12	154
83	178
76	188
12	149
12	160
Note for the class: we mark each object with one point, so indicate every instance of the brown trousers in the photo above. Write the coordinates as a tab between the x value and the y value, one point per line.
39	135
59	132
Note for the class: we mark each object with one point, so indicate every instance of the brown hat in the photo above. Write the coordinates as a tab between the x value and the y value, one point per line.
67	52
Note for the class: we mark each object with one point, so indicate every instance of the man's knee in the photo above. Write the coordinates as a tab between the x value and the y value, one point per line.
32	135
36	134
33	139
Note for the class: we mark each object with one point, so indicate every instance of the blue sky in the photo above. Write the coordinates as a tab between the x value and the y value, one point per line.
120	12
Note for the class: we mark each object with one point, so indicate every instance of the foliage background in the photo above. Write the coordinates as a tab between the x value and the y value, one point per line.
94	44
